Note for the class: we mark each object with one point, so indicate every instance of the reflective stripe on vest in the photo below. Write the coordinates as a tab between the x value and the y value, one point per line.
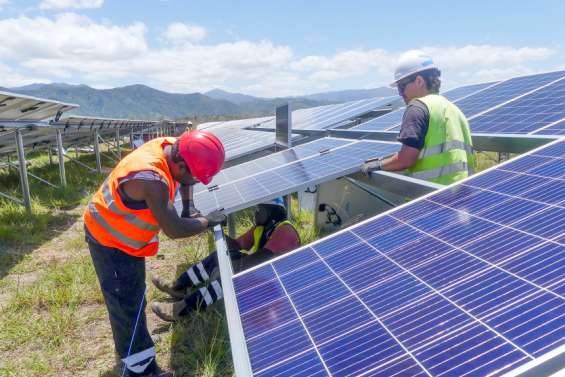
445	147
123	238
447	155
257	234
129	217
442	171
111	223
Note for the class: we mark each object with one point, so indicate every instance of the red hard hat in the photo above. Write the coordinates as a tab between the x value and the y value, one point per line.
203	152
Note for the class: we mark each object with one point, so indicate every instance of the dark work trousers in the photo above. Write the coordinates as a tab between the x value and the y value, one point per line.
122	280
206	274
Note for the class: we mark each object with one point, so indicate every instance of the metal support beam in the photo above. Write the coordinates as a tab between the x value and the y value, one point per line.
81	163
507	143
61	156
398	183
131	138
97	152
118	143
240	354
24	183
231	226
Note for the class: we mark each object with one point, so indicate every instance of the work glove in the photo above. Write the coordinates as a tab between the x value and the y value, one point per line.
216	218
189	210
372	165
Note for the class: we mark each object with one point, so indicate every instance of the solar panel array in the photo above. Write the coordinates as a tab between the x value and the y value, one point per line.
528	104
288	171
469	281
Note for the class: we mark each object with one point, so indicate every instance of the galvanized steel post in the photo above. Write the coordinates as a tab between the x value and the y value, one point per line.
61	156
23	170
97	153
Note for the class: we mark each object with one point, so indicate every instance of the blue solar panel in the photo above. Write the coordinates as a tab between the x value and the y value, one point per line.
383	122
463	91
273	160
526	114
557	128
280	179
462	282
505	91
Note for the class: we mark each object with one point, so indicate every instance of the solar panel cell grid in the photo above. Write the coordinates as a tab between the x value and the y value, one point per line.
442	286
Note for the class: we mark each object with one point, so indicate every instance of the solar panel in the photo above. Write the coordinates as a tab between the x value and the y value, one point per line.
20	107
264	184
463	91
505	91
273	160
525	114
468	281
557	128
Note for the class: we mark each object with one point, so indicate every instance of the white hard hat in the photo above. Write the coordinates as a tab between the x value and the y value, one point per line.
411	62
278	201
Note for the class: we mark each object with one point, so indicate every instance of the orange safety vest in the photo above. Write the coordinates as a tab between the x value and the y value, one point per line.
114	225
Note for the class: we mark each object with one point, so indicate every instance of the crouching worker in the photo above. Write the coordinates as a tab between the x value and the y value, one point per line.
272	235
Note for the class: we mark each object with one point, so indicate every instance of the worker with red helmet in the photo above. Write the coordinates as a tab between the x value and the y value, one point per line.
122	222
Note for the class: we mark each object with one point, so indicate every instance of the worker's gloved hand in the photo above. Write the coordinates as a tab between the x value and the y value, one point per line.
189	210
371	165
216	218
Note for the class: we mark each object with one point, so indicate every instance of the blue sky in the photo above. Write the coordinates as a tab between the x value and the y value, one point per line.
271	48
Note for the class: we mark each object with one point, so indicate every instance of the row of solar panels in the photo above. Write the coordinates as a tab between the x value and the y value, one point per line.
533	104
27	115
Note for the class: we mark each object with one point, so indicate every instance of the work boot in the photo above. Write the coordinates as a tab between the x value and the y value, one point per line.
169	311
167	287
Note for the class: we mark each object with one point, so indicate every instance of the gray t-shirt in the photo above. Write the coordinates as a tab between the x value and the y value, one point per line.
414	125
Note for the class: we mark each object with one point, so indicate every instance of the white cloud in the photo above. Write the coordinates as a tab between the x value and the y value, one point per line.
178	33
3	3
70	4
9	78
77	49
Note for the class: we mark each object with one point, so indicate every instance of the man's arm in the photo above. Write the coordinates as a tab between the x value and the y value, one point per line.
188	208
157	198
406	157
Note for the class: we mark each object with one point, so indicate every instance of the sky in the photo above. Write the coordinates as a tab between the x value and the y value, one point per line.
272	48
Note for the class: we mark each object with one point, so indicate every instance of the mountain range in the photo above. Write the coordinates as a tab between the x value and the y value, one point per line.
143	102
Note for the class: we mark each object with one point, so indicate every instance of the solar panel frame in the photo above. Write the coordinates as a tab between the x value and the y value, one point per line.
401	217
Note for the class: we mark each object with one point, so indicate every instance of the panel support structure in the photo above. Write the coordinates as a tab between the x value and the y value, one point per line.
507	143
97	152
240	355
118	143
24	182
283	123
231	226
398	183
61	156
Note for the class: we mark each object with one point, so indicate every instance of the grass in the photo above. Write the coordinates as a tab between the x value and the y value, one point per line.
53	321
